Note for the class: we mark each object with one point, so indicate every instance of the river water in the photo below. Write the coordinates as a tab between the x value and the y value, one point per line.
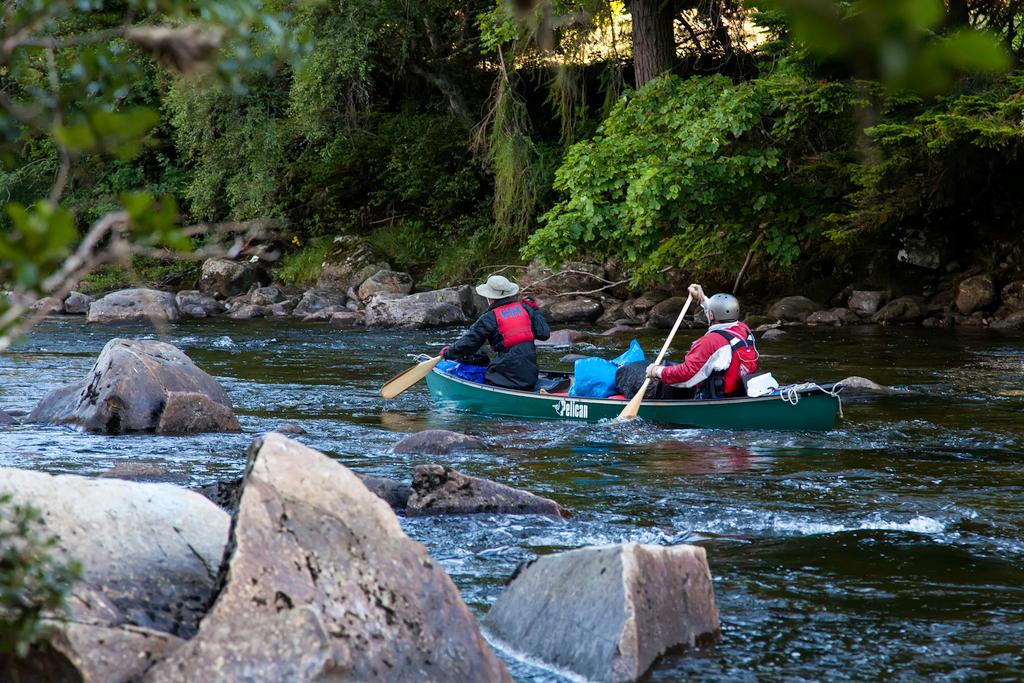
890	548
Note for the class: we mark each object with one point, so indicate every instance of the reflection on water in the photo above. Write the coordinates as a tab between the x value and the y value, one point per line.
891	547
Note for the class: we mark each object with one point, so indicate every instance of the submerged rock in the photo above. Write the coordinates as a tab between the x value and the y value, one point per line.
773	335
309	537
133	305
438	442
289	428
561	338
142	470
140	386
862	385
607	613
440	490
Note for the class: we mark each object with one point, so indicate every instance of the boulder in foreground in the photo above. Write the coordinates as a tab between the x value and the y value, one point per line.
133	305
140	386
607	613
440	490
310	538
151	551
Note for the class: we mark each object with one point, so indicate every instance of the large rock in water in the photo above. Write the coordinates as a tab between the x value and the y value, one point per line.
664	314
438	442
866	303
607	613
132	305
573	310
309	538
140	386
440	490
975	293
77	303
425	309
796	308
151	550
349	261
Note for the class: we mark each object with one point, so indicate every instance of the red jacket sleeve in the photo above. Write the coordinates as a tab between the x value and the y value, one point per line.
696	358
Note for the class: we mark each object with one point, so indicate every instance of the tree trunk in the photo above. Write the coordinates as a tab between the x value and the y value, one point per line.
654	45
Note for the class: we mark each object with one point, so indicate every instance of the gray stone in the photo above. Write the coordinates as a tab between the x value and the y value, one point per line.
224	493
309	536
133	305
144	470
975	293
561	338
639	308
5	419
151	550
49	305
846	316
222	278
617	330
861	385
230	651
1012	295
773	335
612	310
282	309
315	300
796	308
140	386
266	296
348	319
866	303
249	311
194	304
385	282
573	277
289	428
438	442
349	261
324	314
572	357
440	490
607	613
425	309
902	310
77	303
1013	321
663	315
90	653
394	493
573	310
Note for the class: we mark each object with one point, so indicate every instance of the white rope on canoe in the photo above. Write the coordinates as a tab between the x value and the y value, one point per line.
791	393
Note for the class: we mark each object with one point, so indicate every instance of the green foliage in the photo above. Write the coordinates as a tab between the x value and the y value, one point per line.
140	271
301	267
894	41
34	583
685	171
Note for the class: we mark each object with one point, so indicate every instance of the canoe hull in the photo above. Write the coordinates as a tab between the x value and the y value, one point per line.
814	411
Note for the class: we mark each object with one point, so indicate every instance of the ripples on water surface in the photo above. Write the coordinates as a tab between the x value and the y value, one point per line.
889	548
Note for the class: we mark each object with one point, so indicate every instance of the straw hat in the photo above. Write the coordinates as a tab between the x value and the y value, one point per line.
497	287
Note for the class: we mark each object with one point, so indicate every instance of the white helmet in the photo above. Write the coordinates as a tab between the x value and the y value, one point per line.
724	307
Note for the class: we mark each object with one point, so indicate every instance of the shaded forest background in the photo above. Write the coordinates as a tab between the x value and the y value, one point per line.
813	140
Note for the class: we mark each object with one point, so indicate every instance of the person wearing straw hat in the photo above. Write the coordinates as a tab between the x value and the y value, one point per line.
510	327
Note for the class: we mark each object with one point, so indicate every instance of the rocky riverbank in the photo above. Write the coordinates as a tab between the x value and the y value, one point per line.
357	287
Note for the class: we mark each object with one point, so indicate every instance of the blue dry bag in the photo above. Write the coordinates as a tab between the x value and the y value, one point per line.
473	373
595	377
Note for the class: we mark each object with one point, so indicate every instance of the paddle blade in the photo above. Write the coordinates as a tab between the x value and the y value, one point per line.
403	380
633	407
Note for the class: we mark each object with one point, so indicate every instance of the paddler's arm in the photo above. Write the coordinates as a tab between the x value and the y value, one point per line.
540	327
475	337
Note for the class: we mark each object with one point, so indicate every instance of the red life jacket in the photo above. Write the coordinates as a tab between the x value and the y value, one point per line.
744	359
514	324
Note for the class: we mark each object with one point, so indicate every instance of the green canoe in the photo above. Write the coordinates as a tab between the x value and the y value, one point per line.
814	408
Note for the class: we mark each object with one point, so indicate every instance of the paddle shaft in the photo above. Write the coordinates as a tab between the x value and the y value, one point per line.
407	378
633	407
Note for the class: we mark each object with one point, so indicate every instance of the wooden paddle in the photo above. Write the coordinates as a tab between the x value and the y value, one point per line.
403	380
633	407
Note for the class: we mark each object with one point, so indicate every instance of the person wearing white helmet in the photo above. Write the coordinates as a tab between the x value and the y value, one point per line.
510	327
717	364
